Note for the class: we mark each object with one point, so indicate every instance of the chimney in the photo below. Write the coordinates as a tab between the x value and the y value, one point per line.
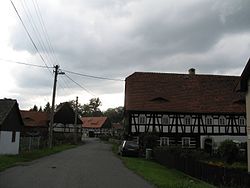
191	71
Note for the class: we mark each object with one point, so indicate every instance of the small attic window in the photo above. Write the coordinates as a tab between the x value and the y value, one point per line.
159	100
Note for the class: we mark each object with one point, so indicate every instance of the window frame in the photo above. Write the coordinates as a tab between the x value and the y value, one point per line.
142	119
209	120
222	118
187	120
13	137
164	141
165	120
183	139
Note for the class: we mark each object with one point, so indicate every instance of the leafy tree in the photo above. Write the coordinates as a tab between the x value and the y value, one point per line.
229	151
89	109
35	108
47	108
115	114
40	109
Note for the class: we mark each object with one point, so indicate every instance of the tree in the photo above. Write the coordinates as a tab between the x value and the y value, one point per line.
47	108
115	114
89	109
92	108
40	109
229	151
35	108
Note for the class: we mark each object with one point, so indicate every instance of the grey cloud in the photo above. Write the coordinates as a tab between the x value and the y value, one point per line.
115	38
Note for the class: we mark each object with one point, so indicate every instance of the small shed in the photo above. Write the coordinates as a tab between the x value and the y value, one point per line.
11	124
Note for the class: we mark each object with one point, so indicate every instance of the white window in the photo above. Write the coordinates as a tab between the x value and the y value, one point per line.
185	142
209	120
142	119
165	120
242	121
164	141
187	120
222	120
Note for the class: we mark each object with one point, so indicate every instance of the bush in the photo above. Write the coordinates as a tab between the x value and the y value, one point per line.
149	140
229	151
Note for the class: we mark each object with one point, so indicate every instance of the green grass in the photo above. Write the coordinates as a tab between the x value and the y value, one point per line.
159	175
7	161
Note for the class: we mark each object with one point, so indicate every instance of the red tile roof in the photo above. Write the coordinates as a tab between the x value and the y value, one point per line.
35	119
94	122
183	93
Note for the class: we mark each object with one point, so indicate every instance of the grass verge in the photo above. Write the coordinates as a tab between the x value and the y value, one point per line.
7	161
159	175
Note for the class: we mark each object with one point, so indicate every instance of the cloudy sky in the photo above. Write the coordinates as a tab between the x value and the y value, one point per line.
113	39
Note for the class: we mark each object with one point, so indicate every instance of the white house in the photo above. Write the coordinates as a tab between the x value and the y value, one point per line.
245	87
10	126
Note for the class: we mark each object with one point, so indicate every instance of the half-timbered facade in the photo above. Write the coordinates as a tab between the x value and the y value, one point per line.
185	109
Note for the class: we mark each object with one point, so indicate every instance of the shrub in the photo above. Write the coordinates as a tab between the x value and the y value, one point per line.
229	151
149	140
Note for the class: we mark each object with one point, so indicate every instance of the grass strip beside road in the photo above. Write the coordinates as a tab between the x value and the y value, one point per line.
7	161
159	175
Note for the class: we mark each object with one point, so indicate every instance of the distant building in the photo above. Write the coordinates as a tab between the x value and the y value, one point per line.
96	126
117	129
35	123
189	110
64	119
11	125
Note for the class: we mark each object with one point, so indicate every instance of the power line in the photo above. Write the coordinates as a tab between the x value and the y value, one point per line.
35	29
64	70
87	90
91	76
27	64
32	41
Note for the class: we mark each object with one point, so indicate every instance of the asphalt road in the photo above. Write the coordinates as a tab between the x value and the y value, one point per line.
92	165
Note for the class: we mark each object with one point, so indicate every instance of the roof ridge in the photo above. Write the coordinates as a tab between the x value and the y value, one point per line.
184	74
14	101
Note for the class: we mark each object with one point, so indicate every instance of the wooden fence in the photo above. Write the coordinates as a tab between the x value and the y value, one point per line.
216	175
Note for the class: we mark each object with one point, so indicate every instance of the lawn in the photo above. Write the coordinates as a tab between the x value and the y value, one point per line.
159	175
7	161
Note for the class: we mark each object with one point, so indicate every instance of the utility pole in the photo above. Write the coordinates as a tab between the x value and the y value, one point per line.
75	129
56	71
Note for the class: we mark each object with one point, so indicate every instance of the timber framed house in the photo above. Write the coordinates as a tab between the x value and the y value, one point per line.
188	110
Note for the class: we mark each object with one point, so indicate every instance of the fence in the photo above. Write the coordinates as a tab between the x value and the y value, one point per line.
30	143
216	175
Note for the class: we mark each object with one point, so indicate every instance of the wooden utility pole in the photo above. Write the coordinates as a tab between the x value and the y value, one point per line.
75	128
56	71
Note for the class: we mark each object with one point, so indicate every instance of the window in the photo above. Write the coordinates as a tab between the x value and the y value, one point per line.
142	119
242	121
185	142
13	136
164	141
222	121
165	120
209	120
187	120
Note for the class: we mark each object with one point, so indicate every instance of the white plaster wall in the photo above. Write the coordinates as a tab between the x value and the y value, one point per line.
218	139
6	144
248	123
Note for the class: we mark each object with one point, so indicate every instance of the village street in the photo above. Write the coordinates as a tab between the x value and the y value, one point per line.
91	165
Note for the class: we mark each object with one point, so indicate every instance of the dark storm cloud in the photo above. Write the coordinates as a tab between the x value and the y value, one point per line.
115	38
